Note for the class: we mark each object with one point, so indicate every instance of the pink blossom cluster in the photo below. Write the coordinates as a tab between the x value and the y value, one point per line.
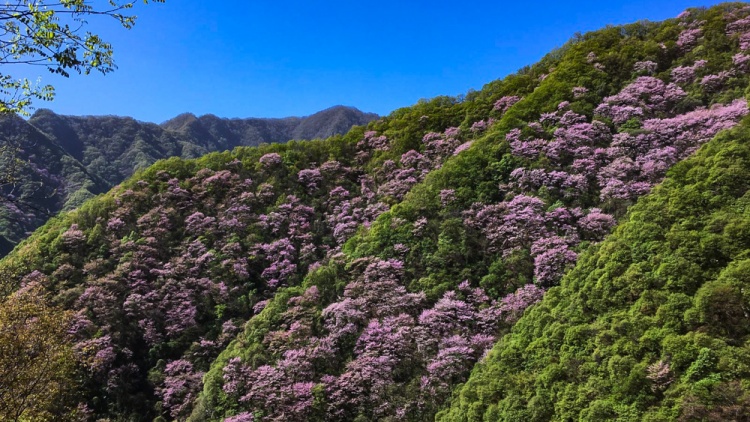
393	337
479	126
310	178
589	159
713	83
161	296
181	387
648	67
741	62
271	159
503	104
686	74
688	38
373	141
644	97
74	237
463	147
660	374
740	28
395	178
579	91
523	224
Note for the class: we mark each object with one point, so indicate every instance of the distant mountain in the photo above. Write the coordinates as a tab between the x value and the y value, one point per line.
71	158
229	133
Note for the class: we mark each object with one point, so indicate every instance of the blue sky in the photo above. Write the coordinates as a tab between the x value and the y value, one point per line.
280	58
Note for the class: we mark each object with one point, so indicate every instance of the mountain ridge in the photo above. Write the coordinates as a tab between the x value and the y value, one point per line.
111	148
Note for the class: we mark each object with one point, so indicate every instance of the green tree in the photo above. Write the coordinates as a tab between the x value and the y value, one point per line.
52	34
36	358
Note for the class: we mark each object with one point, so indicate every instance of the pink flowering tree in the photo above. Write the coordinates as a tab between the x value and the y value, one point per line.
396	340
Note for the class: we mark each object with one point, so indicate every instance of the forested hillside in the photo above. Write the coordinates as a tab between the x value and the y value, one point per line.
66	160
385	274
652	323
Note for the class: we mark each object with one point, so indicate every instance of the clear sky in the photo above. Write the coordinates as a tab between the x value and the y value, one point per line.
264	58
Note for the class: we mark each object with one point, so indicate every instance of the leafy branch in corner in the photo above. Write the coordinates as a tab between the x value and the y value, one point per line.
53	35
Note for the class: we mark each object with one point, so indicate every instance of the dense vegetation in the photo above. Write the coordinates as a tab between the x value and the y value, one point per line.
363	276
65	160
651	324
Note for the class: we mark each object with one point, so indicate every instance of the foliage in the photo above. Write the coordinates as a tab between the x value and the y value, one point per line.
363	276
49	34
36	358
651	324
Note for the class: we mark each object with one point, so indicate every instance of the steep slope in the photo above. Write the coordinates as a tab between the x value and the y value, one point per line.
362	276
652	324
46	180
556	170
112	148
